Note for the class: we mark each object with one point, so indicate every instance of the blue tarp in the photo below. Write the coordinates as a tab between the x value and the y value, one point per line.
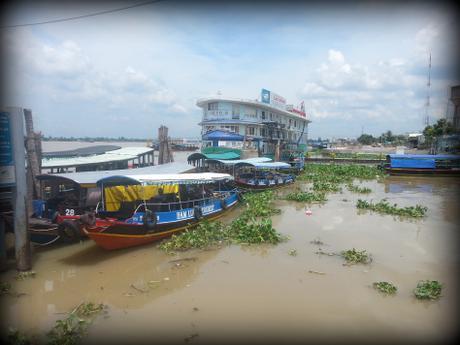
413	163
408	156
222	135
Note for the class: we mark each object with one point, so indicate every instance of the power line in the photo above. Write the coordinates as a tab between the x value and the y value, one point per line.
82	16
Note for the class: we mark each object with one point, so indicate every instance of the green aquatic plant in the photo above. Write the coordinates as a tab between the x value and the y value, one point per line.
385	287
4	288
325	186
428	289
71	330
251	227
293	252
357	189
14	337
384	207
310	197
353	256
26	274
339	173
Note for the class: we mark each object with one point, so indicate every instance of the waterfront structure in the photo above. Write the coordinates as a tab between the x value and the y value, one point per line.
263	124
455	99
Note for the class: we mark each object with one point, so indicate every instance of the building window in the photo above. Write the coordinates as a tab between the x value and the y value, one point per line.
295	123
212	106
235	112
251	130
263	115
262	132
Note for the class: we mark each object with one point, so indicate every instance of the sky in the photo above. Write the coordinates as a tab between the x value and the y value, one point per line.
360	67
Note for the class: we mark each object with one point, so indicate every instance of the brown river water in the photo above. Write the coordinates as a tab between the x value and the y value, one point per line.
261	293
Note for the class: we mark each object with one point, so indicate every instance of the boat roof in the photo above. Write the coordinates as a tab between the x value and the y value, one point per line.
162	179
265	165
217	156
236	161
122	154
89	178
414	156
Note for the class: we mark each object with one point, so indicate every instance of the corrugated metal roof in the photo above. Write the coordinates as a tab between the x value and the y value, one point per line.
159	179
91	177
123	154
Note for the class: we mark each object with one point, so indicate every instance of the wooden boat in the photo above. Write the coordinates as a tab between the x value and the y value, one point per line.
262	175
397	164
137	210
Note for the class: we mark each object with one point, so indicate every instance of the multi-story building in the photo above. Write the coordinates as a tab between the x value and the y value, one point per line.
259	124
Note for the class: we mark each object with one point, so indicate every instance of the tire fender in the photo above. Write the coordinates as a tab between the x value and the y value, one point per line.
197	212
69	231
149	220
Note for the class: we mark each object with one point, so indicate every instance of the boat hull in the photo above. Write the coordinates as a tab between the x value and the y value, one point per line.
111	234
430	172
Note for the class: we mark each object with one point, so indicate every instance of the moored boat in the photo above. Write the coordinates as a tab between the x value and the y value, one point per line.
397	164
262	175
141	209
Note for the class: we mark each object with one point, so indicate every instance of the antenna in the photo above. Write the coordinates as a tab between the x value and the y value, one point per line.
427	117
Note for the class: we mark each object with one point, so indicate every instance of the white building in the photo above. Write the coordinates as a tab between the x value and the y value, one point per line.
259	124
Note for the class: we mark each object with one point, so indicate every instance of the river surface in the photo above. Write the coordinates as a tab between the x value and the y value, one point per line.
261	292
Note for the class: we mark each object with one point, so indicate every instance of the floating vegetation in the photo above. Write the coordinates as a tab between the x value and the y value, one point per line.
353	256
72	329
310	197
4	288
339	173
293	252
251	227
384	207
385	287
357	189
428	289
317	241
25	275
325	186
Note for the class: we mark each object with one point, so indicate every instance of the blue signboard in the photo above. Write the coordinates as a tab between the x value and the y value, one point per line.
265	96
6	151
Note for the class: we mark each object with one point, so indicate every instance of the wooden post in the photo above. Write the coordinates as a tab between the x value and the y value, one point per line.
3	258
164	150
32	155
21	219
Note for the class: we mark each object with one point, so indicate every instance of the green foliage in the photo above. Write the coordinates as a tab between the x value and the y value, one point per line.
325	186
293	252
14	337
353	256
252	226
358	189
72	329
25	275
439	128
385	287
4	288
309	197
384	207
428	289
339	173
366	139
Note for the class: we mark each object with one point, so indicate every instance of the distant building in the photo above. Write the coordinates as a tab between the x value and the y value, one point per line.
455	99
257	124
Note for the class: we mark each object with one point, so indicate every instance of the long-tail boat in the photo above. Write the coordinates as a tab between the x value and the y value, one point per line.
397	164
140	209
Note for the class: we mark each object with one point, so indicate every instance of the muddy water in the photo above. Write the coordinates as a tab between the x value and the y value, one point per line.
262	292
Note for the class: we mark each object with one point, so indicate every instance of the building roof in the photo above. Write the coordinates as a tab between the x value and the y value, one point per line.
122	154
216	156
201	102
265	165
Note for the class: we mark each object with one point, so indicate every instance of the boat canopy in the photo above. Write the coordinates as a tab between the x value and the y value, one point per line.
236	161
265	165
89	179
164	179
216	156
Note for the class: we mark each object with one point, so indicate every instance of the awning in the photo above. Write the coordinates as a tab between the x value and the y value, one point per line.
222	135
163	179
217	156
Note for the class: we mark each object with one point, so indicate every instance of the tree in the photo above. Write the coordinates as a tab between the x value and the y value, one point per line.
441	127
366	139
